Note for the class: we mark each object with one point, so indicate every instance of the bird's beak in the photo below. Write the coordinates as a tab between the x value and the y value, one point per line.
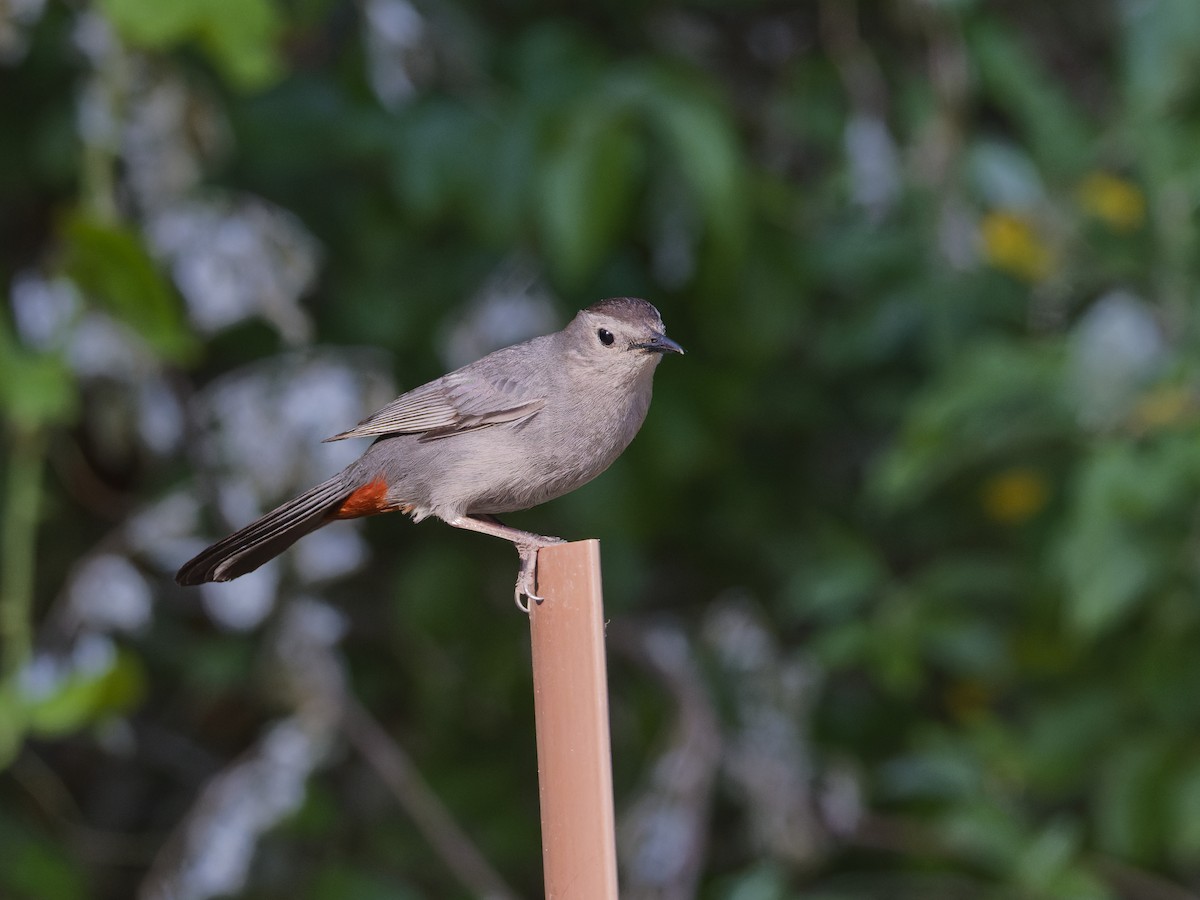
660	343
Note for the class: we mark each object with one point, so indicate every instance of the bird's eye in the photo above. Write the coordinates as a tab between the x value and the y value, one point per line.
605	336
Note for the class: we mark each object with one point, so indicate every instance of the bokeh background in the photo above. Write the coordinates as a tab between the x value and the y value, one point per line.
903	571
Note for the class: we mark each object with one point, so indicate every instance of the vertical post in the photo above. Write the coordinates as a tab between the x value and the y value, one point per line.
570	698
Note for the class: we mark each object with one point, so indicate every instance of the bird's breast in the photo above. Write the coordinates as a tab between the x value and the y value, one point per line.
567	444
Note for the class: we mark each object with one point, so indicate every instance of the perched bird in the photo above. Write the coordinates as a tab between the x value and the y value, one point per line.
518	427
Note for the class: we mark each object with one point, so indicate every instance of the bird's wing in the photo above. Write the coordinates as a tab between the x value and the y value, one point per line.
458	402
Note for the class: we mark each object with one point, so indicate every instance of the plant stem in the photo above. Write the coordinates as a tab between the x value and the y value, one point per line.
18	541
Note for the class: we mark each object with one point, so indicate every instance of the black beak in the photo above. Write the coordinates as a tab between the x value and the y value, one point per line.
660	343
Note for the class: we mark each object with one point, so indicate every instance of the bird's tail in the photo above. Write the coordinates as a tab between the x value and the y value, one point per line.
265	538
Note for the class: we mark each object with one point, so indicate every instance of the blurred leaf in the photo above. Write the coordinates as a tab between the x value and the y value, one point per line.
1058	136
221	662
81	698
510	178
943	772
12	723
337	882
1113	550
844	647
1130	800
842	574
36	868
240	35
1183	823
553	63
1160	59
110	264
1048	857
986	833
586	187
1062	736
897	635
1107	570
701	142
36	389
998	400
968	647
434	166
318	817
761	882
1004	175
973	581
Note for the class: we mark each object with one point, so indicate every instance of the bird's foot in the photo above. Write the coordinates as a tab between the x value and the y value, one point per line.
527	544
527	574
527	578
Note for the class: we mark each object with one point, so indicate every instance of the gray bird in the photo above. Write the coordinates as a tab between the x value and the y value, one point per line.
514	429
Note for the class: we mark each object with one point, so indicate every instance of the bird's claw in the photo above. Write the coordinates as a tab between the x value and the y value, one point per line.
527	578
527	574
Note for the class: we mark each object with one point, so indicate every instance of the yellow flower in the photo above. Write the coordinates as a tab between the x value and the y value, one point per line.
1115	201
1014	496
1163	407
1011	244
967	699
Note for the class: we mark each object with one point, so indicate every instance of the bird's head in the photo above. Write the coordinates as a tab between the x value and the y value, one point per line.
621	334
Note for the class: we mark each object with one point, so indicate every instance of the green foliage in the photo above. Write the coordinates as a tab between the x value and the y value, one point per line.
887	235
110	264
585	187
998	402
1044	115
85	697
565	160
337	882
74	700
36	389
239	35
37	867
1127	512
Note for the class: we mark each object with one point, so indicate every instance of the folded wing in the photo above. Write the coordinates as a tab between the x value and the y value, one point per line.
455	403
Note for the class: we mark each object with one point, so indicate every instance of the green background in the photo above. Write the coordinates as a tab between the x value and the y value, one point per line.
903	571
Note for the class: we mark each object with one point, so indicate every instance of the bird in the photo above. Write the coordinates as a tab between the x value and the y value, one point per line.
516	428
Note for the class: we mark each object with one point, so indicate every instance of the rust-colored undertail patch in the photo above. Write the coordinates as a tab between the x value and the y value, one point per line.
367	500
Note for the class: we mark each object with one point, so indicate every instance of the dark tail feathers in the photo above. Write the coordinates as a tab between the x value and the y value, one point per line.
265	538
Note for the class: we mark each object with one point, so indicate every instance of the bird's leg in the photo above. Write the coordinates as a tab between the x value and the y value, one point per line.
527	544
